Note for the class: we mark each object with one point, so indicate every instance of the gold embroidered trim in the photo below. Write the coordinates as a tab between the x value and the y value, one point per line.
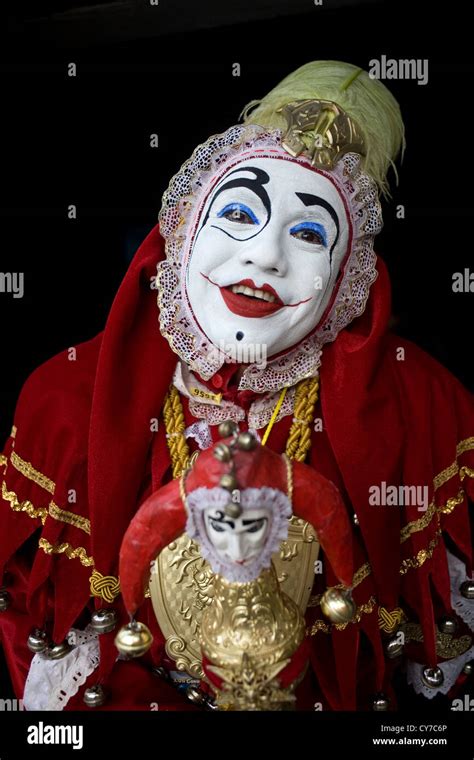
447	646
3	460
69	517
71	553
420	557
453	502
417	525
23	506
27	469
363	609
465	445
445	475
105	586
13	431
465	470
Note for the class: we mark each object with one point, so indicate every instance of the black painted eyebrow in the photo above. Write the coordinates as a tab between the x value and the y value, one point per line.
251	522
315	200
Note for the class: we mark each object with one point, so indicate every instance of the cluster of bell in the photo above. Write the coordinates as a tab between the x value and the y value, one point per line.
224	452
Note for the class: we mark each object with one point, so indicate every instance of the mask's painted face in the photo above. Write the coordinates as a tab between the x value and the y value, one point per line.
238	540
238	548
267	251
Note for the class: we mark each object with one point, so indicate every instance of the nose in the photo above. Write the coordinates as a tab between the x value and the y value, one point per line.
235	548
265	252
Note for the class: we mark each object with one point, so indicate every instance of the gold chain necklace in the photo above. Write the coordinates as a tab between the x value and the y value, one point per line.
299	437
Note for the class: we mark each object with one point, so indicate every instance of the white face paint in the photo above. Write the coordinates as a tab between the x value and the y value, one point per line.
237	540
268	246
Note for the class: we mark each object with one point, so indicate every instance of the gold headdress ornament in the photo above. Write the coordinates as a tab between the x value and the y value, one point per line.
329	108
327	128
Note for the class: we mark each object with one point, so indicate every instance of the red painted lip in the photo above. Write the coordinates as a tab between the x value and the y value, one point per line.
245	306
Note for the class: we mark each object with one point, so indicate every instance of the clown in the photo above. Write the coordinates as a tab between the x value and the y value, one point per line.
272	310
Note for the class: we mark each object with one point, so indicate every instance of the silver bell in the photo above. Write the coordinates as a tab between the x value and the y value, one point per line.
5	600
433	678
94	696
394	647
467	589
380	702
468	668
56	651
447	625
37	641
103	620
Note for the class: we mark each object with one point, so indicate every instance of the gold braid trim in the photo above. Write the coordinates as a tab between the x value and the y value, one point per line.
445	475
69	517
71	553
175	426
13	432
389	621
417	525
23	506
420	557
447	646
27	469
3	460
465	445
465	470
299	437
107	587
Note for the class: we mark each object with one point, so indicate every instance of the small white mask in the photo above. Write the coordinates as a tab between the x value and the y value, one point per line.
238	548
269	243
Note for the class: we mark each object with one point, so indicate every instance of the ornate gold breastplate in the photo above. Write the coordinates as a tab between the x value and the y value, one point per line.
182	586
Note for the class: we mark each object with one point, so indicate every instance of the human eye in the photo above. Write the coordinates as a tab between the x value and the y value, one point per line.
310	232
238	212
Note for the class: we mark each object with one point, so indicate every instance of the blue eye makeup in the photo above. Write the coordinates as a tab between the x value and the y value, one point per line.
238	212
310	232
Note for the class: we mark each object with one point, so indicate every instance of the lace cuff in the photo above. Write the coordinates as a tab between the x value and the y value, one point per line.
51	683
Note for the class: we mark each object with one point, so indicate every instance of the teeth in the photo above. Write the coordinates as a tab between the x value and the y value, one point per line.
262	294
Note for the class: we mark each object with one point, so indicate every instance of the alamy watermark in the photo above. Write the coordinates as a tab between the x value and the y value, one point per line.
463	282
385	495
13	283
399	68
247	353
11	705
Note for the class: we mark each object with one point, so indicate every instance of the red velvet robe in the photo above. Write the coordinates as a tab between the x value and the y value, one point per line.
84	443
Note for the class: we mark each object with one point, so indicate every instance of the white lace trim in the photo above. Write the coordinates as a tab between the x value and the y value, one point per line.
181	203
465	609
451	671
51	683
278	508
214	412
200	432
